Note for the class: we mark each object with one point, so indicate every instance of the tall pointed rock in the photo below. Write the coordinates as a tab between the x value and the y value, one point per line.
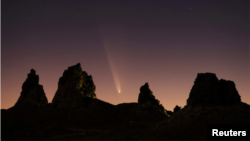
74	87
32	92
147	99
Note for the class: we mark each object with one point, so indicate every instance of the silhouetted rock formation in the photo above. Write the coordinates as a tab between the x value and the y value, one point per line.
176	108
147	99
75	89
127	121
32	92
208	90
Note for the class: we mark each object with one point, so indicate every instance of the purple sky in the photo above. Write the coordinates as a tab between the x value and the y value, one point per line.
123	44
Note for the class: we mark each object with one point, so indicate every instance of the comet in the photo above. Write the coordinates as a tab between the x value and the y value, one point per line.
107	45
113	70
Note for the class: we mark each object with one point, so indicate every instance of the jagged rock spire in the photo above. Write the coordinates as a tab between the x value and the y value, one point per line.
32	92
73	86
147	99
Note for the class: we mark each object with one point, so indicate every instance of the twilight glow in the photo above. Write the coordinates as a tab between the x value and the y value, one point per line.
124	44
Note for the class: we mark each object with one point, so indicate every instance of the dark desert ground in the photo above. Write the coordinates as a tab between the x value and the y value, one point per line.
123	69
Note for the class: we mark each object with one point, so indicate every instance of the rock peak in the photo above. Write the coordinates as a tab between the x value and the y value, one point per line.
75	84
32	92
145	88
147	99
32	71
208	90
78	64
176	108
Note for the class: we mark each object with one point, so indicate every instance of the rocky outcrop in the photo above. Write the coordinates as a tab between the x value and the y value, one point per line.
208	90
32	92
75	89
147	99
176	108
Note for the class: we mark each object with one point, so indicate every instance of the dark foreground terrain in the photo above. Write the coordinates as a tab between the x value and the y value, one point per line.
76	114
103	121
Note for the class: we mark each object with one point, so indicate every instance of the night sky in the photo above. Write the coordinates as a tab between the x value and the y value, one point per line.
123	44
